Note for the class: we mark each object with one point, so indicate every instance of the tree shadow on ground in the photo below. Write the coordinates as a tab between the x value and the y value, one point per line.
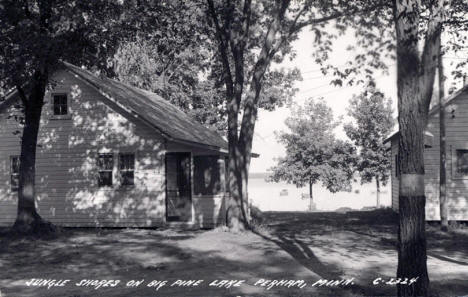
366	239
136	254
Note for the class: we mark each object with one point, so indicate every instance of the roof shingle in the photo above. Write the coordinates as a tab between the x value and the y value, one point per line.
160	113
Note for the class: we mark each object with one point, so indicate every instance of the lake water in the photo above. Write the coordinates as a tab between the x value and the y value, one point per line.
285	197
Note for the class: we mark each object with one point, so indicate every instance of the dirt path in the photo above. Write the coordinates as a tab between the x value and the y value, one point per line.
291	246
152	255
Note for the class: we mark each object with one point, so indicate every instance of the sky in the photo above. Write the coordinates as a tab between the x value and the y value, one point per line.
314	84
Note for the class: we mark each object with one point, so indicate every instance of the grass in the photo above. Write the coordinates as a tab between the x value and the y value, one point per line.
284	245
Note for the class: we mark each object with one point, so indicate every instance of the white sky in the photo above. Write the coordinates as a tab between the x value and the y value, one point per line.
314	84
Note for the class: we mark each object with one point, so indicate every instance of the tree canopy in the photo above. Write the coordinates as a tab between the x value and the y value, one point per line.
313	153
372	123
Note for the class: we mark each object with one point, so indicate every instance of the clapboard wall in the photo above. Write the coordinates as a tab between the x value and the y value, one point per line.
456	125
66	169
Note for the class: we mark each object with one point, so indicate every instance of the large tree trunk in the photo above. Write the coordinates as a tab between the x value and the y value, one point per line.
377	183
412	115
443	156
415	81
236	214
28	220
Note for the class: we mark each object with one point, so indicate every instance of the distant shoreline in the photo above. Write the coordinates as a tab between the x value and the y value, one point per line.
259	175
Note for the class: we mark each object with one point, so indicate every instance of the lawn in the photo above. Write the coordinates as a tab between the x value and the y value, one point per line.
298	248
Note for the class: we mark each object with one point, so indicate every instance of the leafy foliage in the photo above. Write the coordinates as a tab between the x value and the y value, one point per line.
251	36
36	34
372	114
312	152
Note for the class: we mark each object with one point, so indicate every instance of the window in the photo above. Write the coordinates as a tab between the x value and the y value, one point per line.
397	165
14	172
105	165
462	162
207	175
127	169
60	104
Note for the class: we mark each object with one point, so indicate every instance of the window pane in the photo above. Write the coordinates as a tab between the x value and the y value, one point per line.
60	105
57	110
14	182
105	161
15	164
127	178
206	175
462	161
14	173
105	178
127	162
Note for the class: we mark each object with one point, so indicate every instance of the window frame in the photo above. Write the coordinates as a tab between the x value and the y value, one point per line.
397	166
122	171
215	164
456	174
12	174
102	170
67	115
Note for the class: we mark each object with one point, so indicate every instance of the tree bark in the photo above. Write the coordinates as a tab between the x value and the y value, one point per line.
415	80
311	196
28	219
443	155
377	182
411	232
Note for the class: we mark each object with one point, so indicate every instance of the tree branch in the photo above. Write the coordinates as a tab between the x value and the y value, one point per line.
432	42
22	95
297	27
223	47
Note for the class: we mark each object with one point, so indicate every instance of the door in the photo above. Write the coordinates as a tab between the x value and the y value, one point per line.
178	187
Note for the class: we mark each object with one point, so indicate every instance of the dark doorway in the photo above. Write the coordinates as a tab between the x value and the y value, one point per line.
178	187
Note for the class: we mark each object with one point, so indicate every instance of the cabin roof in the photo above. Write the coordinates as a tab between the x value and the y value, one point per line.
158	112
173	123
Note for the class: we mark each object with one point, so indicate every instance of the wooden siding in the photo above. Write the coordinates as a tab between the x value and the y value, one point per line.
456	123
456	117
66	171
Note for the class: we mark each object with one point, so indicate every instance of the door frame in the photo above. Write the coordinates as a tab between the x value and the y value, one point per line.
190	186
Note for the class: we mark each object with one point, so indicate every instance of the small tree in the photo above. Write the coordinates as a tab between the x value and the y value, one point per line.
372	113
312	152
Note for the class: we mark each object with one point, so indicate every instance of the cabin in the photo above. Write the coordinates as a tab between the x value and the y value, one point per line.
456	132
112	155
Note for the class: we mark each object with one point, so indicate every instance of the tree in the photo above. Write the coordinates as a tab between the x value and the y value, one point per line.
408	31
415	80
36	36
179	77
251	36
313	153
172	58
372	114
